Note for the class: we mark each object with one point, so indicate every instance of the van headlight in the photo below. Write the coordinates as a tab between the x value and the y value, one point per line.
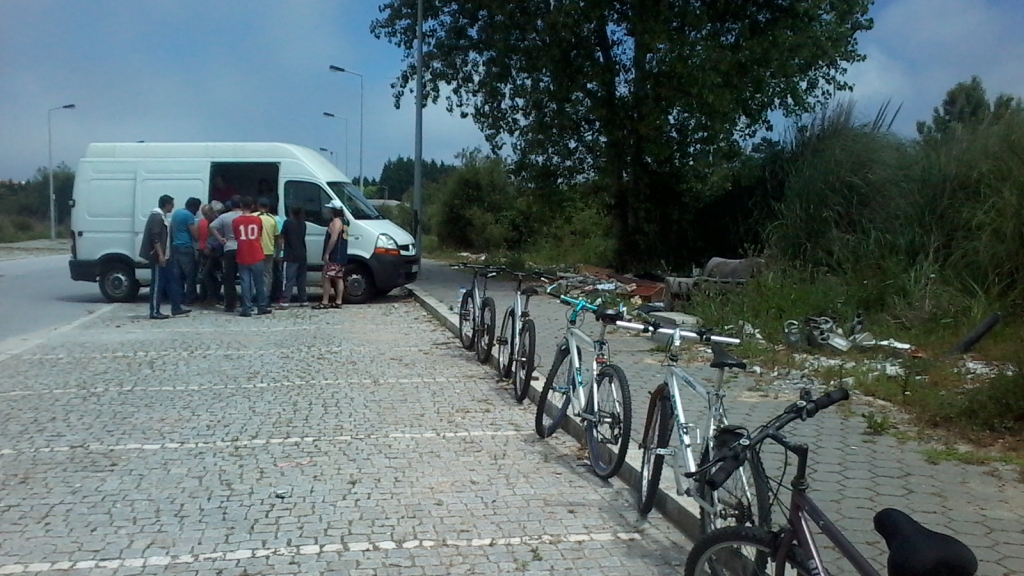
386	245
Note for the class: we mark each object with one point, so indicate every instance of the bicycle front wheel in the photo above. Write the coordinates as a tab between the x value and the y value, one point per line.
526	350
554	396
658	436
485	337
608	426
507	344
743	500
740	551
467	321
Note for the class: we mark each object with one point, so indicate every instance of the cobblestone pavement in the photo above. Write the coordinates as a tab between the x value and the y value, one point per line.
852	476
360	441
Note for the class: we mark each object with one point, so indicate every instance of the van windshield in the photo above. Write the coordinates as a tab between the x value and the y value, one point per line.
354	201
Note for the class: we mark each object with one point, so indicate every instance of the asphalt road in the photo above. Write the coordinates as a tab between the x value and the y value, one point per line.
38	294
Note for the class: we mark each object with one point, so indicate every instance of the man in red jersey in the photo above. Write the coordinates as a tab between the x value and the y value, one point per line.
248	230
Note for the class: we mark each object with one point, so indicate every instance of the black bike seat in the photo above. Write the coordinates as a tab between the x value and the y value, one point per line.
609	315
723	359
917	551
530	291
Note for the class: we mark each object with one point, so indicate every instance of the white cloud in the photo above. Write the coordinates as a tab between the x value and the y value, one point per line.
921	48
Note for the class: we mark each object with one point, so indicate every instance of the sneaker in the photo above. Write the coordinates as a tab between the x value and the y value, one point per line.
245	314
182	312
263	311
158	316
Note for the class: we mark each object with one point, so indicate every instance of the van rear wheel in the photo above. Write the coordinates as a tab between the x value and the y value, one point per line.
118	284
359	286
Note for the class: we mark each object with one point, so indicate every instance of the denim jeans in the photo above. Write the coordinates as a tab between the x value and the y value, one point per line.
251	278
295	275
157	287
171	281
184	260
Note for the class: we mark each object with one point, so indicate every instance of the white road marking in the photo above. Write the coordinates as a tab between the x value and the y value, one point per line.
313	550
232	386
17	345
262	441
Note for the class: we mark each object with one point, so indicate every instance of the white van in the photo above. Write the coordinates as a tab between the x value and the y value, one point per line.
117	185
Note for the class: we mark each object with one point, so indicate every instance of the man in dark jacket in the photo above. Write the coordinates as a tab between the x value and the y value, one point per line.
154	249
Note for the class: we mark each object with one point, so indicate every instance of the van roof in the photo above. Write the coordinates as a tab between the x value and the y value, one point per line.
213	151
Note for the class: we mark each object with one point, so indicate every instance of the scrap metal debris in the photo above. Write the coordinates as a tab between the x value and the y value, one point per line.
591	279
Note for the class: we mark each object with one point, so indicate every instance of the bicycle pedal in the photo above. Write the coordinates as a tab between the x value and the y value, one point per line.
665	451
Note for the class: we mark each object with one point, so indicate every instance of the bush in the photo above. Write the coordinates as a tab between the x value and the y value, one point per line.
478	208
20	228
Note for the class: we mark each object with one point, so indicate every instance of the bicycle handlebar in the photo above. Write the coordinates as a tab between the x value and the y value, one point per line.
737	455
578	304
655	328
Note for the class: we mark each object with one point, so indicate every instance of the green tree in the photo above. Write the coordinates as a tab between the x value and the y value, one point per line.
967	103
650	98
398	175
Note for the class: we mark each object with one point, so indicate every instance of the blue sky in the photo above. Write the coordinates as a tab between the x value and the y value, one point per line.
214	70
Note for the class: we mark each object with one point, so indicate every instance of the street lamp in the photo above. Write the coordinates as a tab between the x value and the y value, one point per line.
329	115
331	152
417	186
333	68
49	146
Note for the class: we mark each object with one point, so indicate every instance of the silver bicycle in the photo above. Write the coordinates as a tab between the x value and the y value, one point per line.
476	312
517	341
600	399
745	501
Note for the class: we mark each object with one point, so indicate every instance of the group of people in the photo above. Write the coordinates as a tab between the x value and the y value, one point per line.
197	253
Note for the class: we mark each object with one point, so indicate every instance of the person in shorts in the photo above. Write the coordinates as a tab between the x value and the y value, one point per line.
335	256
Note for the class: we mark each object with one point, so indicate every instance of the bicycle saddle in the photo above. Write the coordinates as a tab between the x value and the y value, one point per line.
530	291
917	551
609	315
723	359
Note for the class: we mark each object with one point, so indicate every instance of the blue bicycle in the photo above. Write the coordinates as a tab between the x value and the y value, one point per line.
600	398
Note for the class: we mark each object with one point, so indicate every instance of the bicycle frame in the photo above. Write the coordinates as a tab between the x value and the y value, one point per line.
573	337
715	420
802	512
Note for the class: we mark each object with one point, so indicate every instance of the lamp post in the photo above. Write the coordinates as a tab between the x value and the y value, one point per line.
329	115
417	187
333	68
331	152
49	163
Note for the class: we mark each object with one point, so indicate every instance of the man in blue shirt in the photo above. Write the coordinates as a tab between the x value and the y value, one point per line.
184	235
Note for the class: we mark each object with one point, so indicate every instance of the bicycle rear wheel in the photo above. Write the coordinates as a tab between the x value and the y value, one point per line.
740	551
608	428
658	436
485	336
467	321
526	350
507	344
554	397
744	499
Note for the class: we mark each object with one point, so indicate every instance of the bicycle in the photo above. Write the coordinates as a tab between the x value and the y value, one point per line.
601	400
913	549
477	329
744	503
517	348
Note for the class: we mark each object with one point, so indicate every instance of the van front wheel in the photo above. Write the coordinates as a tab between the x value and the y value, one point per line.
359	286
118	283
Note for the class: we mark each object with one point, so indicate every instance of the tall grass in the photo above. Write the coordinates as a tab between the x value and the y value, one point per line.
21	228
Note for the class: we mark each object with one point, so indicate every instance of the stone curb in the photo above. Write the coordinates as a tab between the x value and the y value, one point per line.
681	511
